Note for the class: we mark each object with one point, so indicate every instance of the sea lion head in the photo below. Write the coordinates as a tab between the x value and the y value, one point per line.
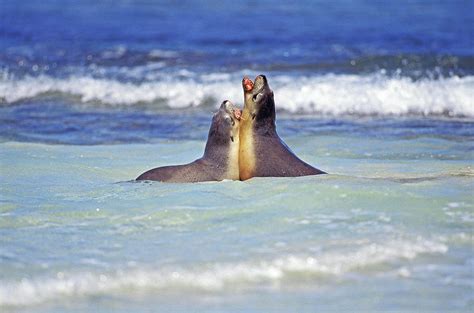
225	124
258	98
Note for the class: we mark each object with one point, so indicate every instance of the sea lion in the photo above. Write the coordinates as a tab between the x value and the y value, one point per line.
262	153
221	155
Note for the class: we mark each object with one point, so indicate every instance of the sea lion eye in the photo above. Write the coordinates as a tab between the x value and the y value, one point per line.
257	97
230	120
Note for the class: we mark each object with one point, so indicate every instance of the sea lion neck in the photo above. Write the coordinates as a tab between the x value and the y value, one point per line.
220	139
217	144
264	118
216	153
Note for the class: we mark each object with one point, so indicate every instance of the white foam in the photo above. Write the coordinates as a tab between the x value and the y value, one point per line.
213	277
158	53
327	94
375	94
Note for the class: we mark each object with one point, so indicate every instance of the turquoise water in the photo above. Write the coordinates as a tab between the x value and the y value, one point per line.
389	229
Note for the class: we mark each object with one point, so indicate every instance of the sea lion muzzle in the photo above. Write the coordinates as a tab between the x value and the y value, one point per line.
247	83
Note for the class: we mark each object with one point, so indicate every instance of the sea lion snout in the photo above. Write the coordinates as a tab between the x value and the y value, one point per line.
247	83
237	113
260	83
257	85
231	110
262	78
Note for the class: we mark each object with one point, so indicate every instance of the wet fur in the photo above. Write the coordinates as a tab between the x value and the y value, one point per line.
262	152
219	162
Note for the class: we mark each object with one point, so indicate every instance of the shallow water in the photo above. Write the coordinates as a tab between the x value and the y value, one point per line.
389	228
378	94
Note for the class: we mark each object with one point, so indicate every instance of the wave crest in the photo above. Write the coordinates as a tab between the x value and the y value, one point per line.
329	94
214	277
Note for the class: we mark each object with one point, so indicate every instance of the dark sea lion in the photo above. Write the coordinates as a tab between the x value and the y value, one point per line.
221	155
262	152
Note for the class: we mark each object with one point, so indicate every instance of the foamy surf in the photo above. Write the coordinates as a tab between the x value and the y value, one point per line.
214	277
330	94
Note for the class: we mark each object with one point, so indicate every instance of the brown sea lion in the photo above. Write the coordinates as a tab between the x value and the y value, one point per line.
262	153
221	155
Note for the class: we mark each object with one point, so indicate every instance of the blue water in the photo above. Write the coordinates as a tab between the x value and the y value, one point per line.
376	93
223	35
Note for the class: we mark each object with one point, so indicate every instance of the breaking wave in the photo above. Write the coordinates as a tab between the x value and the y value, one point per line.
214	277
330	94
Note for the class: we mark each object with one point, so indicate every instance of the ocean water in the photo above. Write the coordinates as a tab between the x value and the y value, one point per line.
378	94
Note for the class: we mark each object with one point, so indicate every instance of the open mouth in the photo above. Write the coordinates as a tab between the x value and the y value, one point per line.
230	109
248	84
255	86
237	113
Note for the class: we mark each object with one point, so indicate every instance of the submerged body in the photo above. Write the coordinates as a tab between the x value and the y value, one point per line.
262	153
221	155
